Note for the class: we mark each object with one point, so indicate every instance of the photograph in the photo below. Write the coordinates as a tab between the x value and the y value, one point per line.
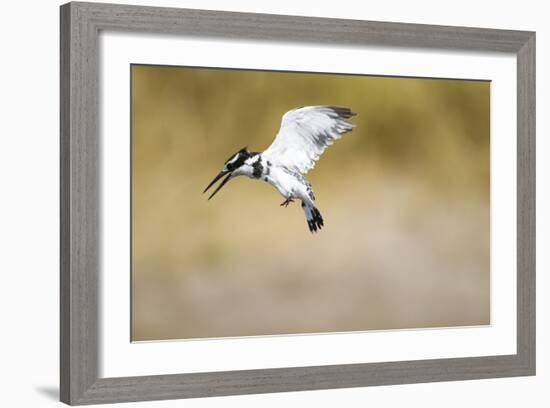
278	203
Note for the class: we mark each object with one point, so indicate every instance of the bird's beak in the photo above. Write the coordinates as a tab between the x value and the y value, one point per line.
219	176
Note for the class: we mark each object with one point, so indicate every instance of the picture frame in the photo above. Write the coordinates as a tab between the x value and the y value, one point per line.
80	155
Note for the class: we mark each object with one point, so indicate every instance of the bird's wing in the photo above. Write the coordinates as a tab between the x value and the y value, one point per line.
305	133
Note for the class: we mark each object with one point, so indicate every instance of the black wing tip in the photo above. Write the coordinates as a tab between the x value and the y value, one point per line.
342	111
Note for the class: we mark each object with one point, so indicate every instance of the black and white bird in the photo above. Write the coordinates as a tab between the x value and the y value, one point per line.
304	135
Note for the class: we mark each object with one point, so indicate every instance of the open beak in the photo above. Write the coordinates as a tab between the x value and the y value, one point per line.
219	176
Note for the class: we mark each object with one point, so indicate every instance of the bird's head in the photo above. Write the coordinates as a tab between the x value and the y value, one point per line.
230	168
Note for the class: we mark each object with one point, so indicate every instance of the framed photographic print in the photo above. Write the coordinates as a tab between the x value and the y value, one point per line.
261	203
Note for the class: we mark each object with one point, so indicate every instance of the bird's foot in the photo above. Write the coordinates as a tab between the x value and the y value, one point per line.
287	202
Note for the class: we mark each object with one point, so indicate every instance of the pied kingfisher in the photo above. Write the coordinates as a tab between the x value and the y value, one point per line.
304	135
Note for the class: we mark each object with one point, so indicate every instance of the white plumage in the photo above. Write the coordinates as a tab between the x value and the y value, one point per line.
304	135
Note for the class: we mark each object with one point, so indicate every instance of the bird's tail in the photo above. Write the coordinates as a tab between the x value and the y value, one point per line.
313	217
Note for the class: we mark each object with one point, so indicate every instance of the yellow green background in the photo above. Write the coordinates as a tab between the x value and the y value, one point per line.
405	198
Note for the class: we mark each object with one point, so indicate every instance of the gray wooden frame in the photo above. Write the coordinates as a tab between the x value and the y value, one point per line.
80	234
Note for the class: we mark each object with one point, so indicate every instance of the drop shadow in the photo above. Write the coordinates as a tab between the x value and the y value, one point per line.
51	392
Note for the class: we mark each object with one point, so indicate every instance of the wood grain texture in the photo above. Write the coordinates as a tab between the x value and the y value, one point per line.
79	197
79	204
526	194
64	204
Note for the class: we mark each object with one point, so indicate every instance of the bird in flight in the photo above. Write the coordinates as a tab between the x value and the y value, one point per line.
304	135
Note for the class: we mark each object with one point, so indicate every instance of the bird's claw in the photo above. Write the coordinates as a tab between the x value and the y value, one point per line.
287	202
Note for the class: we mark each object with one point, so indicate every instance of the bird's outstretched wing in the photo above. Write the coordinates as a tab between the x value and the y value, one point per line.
305	133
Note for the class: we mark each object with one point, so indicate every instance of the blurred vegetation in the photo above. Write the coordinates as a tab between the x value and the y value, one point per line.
405	198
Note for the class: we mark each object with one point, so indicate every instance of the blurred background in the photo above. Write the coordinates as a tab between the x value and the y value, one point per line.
405	198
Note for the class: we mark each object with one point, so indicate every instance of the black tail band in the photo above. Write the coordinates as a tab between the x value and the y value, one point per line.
314	218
